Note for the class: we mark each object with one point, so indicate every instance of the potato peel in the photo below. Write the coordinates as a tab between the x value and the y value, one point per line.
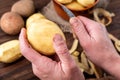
74	46
107	15
116	41
97	71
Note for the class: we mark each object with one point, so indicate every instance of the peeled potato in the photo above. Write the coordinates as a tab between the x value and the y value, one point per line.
10	51
40	35
64	1
75	6
33	18
86	3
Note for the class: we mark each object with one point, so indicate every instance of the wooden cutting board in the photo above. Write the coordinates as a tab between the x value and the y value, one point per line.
21	69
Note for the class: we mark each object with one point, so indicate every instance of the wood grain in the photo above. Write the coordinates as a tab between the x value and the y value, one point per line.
21	69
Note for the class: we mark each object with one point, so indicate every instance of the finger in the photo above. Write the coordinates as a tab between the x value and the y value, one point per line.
25	47
36	71
92	27
23	40
28	52
61	49
79	29
87	21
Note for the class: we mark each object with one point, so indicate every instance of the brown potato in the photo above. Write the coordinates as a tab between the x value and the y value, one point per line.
11	23
24	7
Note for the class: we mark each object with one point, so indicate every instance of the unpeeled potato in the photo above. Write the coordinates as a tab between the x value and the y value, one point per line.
40	34
11	23
24	8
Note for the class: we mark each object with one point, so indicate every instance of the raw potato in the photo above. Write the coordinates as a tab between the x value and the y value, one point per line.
40	35
10	51
86	3
11	23
64	1
33	18
75	6
24	7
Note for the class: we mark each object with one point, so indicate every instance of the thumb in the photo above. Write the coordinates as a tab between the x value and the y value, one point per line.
61	49
79	28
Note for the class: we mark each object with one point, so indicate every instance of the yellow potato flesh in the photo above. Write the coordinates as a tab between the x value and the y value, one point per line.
10	51
33	18
86	3
75	6
40	35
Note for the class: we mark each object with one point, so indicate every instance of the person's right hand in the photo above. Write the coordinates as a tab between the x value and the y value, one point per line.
94	40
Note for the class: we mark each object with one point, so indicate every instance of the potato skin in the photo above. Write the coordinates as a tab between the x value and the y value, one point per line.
11	23
24	7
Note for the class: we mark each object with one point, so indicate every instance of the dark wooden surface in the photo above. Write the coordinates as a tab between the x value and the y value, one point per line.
21	69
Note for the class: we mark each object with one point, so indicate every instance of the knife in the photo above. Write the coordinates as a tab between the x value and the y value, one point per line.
67	11
70	14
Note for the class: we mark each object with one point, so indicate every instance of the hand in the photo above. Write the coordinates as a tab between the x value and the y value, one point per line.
94	39
96	44
62	68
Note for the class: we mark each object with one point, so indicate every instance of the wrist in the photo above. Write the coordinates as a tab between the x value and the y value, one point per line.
112	65
110	60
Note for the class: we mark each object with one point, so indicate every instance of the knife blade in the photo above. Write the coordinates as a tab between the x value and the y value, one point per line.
68	12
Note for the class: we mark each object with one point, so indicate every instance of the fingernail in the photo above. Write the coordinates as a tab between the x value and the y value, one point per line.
74	21
57	37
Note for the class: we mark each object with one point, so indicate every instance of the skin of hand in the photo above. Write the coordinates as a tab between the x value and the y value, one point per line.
45	68
98	47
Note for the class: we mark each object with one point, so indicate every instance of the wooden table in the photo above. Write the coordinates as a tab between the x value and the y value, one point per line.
21	69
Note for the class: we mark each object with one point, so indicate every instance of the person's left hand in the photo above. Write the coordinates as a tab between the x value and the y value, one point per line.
46	68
